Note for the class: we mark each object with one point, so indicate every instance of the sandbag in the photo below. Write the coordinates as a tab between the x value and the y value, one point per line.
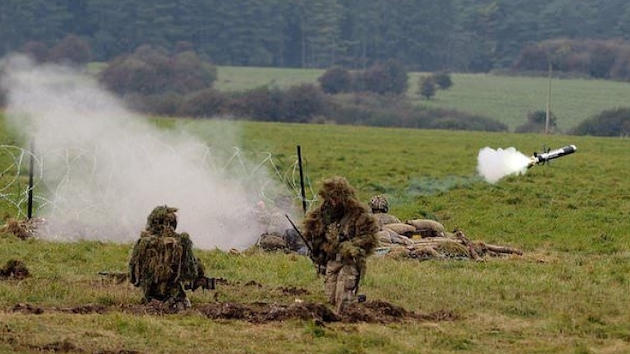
427	227
401	228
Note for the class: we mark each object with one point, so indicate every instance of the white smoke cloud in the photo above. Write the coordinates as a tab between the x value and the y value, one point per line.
107	168
493	164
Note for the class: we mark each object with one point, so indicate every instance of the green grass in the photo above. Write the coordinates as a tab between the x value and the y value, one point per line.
566	294
507	99
233	78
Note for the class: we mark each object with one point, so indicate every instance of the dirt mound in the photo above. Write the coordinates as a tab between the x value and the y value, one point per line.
370	312
293	291
14	269
262	312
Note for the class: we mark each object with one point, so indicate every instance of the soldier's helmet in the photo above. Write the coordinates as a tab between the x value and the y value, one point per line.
379	203
338	188
161	217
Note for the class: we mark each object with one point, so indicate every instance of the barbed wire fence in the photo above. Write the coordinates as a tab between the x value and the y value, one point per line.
17	163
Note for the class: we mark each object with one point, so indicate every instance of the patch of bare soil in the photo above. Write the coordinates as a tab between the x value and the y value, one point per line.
14	269
262	312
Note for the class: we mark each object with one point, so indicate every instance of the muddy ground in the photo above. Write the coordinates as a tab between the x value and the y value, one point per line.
259	312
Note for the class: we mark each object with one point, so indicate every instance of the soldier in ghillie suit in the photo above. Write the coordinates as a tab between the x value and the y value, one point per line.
162	260
342	233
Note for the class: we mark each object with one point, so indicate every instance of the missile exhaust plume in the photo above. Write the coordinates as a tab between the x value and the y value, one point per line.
496	164
106	168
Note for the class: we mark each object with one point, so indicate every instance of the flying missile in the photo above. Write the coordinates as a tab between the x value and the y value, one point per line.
541	158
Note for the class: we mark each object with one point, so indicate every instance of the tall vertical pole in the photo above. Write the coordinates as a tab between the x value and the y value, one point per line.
29	211
299	153
548	108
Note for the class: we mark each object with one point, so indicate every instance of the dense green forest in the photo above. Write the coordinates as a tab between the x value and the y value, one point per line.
425	35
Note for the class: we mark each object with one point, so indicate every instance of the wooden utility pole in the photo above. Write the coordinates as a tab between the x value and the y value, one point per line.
548	109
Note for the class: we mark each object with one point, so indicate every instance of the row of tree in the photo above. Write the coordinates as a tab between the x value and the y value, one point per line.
425	35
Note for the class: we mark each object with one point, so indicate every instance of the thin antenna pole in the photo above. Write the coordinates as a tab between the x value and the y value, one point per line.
29	211
548	108
299	153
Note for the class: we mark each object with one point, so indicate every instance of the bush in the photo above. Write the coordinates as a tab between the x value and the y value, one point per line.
167	104
389	77
261	104
613	122
150	71
397	111
335	80
599	58
466	122
297	104
426	87
71	50
204	104
303	102
442	80
38	51
536	123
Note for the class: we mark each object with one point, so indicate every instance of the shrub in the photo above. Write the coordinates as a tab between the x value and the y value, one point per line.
204	104
613	122
303	102
536	123
335	80
167	104
465	122
261	104
151	71
426	87
396	111
190	74
442	80
599	58
389	77
38	51
71	50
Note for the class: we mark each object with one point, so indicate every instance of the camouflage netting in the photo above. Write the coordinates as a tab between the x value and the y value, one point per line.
22	229
164	258
272	242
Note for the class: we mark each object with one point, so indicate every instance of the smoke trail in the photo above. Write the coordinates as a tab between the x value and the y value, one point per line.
496	164
107	168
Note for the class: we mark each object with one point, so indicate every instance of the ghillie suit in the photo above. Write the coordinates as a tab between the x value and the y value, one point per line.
272	242
162	260
342	233
22	229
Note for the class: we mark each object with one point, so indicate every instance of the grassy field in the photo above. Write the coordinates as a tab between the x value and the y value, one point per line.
504	98
568	293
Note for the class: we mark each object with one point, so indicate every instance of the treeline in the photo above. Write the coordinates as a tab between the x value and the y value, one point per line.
179	84
424	35
602	59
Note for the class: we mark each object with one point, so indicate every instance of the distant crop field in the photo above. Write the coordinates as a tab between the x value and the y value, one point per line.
507	99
